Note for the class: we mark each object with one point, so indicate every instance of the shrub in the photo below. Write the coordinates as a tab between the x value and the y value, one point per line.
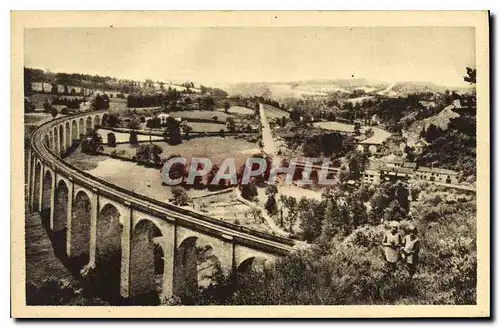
133	140
180	196
111	140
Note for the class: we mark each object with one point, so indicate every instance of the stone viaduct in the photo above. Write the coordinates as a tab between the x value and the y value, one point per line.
135	245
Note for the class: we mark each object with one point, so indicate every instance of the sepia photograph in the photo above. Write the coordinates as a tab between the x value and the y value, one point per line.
265	160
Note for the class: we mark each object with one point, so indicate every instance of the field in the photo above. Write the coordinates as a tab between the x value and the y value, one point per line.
206	127
36	118
148	181
39	98
216	149
335	126
226	207
124	137
238	110
272	111
201	114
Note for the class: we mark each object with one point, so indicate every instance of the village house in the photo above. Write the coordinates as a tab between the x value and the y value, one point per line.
37	86
392	160
374	120
437	175
164	116
371	176
47	87
420	146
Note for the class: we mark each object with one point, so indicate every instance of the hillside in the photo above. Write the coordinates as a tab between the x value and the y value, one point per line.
442	120
405	88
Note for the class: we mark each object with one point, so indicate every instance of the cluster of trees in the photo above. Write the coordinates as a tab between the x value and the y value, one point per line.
344	266
214	92
92	144
455	148
152	100
78	80
148	154
68	102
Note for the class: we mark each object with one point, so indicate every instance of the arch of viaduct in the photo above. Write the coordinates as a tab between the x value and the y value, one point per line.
130	240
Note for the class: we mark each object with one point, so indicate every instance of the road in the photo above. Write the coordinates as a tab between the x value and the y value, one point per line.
267	137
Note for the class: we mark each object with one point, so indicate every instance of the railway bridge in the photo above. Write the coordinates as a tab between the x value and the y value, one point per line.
134	245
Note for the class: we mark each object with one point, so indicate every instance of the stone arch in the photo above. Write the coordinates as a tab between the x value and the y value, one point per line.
46	140
81	127
108	252
80	228
104	120
88	124
74	130
36	186
47	190
196	268
55	146
68	134
254	263
145	281
97	121
249	273
51	139
61	139
60	224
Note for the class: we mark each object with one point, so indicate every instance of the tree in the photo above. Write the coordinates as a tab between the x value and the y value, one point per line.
357	161
154	123
208	103
432	133
112	120
311	213
111	140
332	223
357	129
289	205
226	107
28	105
256	213
271	205
186	129
142	154
410	153
133	124
133	138
154	153
172	133
369	133
53	112
248	190
179	196
230	125
92	144
471	75
100	102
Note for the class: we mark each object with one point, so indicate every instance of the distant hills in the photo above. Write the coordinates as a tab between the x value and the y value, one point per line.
323	87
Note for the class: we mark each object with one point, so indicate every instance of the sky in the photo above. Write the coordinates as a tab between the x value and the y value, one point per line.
256	54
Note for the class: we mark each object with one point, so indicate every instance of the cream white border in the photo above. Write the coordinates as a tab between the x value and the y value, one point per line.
33	19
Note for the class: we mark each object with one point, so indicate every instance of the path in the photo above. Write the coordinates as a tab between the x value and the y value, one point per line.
267	137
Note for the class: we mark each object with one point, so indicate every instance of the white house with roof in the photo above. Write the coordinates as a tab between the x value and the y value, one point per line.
436	175
163	117
37	86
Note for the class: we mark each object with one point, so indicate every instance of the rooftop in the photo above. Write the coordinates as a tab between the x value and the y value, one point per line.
436	170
